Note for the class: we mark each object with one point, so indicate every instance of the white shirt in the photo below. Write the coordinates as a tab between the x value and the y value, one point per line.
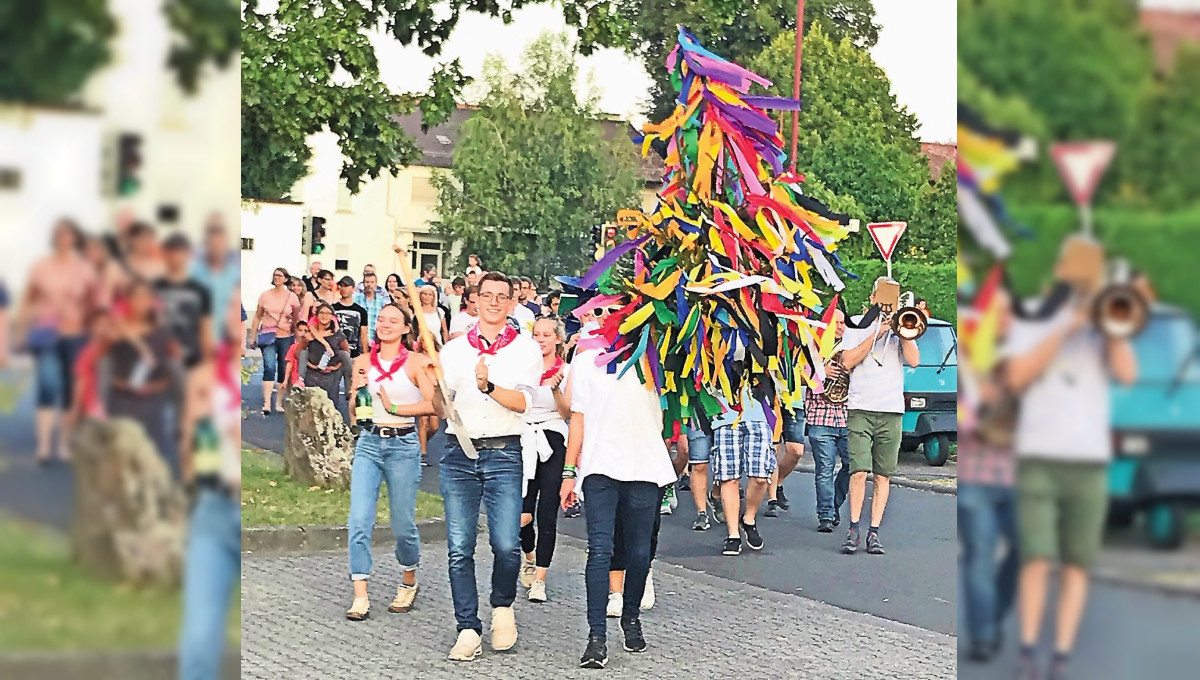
622	425
877	383
462	322
517	366
542	417
524	317
400	391
1065	413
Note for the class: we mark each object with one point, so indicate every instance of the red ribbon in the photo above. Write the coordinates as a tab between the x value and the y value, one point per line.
503	340
558	363
227	377
397	363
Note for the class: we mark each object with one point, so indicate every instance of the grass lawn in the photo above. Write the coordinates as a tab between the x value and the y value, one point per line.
49	603
270	497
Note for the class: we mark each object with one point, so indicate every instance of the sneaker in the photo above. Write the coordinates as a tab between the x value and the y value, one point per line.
718	510
733	546
648	594
615	604
572	511
685	482
702	522
596	654
504	629
634	641
324	362
873	545
781	498
753	539
668	502
851	544
772	509
1058	669
837	517
825	526
405	596
537	591
468	647
528	573
360	610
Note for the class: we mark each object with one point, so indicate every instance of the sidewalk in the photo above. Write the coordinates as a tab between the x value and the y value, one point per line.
701	627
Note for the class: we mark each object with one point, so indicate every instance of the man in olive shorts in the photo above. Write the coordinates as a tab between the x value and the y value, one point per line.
875	404
1061	368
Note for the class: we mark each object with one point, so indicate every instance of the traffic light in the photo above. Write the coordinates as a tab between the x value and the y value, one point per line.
129	164
595	234
318	233
610	237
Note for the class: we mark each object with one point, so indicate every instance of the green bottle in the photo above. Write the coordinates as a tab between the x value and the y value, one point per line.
364	409
206	452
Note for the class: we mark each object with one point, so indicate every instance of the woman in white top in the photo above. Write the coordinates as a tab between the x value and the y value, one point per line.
387	451
433	315
547	416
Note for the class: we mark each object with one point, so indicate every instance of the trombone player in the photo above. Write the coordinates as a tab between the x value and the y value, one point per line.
873	349
1061	366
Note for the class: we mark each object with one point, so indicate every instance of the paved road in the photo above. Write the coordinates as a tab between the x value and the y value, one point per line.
703	627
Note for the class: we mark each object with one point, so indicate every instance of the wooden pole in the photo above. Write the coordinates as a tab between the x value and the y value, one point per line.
796	77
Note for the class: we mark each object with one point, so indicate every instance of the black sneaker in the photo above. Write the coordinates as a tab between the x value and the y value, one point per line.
718	509
753	539
733	546
772	509
873	545
781	498
702	523
596	654
850	546
825	526
572	511
634	642
837	517
684	483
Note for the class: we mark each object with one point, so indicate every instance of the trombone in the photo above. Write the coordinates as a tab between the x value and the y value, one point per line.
909	322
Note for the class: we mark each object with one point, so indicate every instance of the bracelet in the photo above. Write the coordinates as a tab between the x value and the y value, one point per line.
568	474
572	468
393	409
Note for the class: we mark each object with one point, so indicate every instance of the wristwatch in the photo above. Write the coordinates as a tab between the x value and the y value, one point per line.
491	387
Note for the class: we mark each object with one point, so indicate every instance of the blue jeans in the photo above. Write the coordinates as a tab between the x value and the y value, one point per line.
213	565
397	461
637	504
495	479
985	514
829	444
54	367
273	356
699	445
793	426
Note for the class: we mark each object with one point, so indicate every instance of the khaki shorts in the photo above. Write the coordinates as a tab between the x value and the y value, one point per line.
874	440
1061	509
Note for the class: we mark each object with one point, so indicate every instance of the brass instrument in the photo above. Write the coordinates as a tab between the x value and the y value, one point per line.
909	322
1119	310
837	386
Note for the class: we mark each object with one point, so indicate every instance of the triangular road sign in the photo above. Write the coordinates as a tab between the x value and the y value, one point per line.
1081	165
885	235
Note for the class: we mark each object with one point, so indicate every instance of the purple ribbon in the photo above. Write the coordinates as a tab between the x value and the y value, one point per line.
609	259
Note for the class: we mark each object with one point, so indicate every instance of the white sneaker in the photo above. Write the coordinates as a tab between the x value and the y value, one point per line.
528	574
468	647
615	603
648	596
504	629
537	591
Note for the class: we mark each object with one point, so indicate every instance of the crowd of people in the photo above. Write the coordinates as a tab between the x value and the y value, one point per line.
534	427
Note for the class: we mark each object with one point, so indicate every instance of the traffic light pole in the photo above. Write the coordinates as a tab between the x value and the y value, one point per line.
796	78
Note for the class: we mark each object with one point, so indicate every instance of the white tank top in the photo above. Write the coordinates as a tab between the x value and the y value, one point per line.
400	390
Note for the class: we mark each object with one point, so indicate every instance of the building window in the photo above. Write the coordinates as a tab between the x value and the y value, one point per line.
10	179
341	265
168	214
247	243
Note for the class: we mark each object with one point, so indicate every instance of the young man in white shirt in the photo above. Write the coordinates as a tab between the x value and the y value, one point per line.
875	405
623	464
1061	369
491	374
465	320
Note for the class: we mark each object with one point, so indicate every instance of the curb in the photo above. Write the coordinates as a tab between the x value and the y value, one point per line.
903	481
1116	578
106	665
316	538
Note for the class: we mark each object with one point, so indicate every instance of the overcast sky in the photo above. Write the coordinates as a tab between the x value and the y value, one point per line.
916	48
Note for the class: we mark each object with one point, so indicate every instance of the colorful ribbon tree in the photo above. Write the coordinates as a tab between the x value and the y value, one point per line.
727	259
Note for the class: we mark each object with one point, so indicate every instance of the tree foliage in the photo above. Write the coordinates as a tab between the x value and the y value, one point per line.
1161	150
533	169
204	31
49	48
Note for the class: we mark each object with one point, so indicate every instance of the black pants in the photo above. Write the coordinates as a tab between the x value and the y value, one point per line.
637	504
618	555
541	501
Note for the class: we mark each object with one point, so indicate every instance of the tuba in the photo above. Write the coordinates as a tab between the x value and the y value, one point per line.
837	387
909	322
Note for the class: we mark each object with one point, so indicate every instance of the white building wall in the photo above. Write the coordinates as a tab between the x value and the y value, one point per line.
274	229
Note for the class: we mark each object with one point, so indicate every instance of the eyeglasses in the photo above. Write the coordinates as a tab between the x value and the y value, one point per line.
488	297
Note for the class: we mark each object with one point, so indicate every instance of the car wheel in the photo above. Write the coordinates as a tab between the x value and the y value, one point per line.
937	449
1165	525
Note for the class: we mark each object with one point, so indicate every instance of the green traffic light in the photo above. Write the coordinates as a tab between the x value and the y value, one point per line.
318	248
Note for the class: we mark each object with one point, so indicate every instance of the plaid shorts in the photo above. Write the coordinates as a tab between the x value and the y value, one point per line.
745	448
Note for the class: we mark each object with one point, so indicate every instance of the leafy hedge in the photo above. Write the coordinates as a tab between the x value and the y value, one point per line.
934	282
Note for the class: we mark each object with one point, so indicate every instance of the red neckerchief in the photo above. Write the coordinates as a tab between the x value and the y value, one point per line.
550	373
225	373
503	340
397	363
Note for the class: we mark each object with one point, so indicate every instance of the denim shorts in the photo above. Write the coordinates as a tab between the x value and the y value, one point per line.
699	446
793	425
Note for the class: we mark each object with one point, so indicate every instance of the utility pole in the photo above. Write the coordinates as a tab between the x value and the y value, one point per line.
796	77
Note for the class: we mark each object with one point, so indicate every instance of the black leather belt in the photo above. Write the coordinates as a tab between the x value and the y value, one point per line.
495	442
385	432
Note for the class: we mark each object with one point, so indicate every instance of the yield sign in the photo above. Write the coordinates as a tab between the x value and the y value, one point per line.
1081	165
885	235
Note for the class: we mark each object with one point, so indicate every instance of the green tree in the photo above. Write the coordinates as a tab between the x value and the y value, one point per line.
48	49
1162	146
308	66
533	170
205	31
736	29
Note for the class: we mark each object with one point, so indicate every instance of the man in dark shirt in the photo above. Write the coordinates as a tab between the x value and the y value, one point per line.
187	304
352	317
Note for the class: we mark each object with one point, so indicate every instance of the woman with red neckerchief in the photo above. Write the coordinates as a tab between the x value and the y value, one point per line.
544	455
388	451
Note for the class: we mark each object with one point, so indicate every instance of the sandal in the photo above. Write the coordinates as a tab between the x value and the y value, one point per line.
360	610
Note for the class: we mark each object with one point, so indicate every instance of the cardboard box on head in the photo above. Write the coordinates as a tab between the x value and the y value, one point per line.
887	294
1081	264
